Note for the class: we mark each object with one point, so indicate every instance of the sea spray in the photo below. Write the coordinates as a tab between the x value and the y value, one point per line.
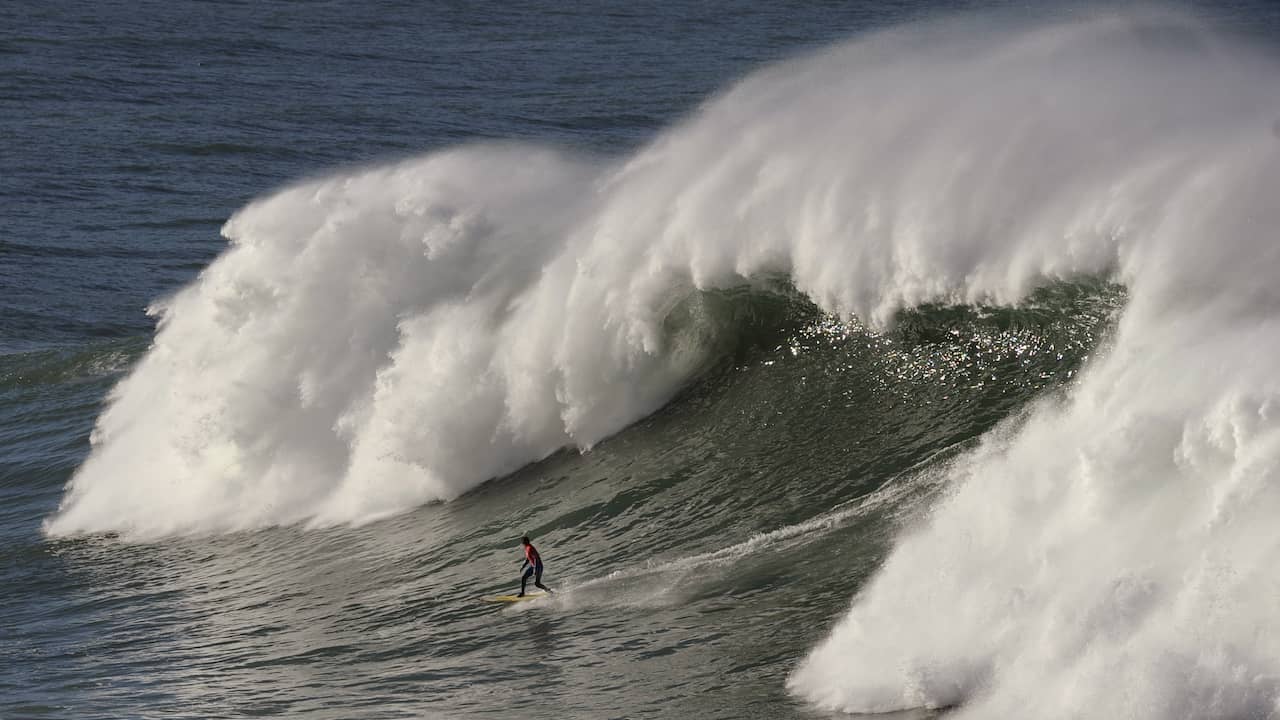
269	369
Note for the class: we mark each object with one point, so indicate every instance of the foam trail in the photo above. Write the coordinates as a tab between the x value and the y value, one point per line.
658	582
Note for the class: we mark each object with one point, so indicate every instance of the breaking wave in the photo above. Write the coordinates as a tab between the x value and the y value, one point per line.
389	337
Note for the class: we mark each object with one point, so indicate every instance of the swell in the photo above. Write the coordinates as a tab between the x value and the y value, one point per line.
67	365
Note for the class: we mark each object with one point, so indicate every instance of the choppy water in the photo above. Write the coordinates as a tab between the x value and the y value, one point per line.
832	370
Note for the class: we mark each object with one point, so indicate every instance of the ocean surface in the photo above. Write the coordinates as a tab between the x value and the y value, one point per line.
840	358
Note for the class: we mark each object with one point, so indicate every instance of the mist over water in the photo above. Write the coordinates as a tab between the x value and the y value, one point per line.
393	336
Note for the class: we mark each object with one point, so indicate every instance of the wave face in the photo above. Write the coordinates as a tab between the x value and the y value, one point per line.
389	337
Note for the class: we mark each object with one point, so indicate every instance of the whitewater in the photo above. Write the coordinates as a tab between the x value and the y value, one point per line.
392	336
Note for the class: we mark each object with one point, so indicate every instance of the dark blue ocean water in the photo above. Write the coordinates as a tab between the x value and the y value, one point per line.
131	131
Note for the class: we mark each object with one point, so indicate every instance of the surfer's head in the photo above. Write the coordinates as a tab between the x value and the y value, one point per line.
524	539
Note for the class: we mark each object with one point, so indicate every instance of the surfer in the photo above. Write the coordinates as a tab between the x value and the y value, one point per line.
533	561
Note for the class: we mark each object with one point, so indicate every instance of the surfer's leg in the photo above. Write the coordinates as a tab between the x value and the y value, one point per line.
524	579
537	579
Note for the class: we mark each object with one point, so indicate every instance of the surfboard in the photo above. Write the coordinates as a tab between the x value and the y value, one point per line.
512	598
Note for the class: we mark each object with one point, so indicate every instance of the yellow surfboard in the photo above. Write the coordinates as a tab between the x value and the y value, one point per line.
512	598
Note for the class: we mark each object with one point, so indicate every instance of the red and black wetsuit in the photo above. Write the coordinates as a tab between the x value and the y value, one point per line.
534	561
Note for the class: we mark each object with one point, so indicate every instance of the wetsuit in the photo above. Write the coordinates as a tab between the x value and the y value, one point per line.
534	562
